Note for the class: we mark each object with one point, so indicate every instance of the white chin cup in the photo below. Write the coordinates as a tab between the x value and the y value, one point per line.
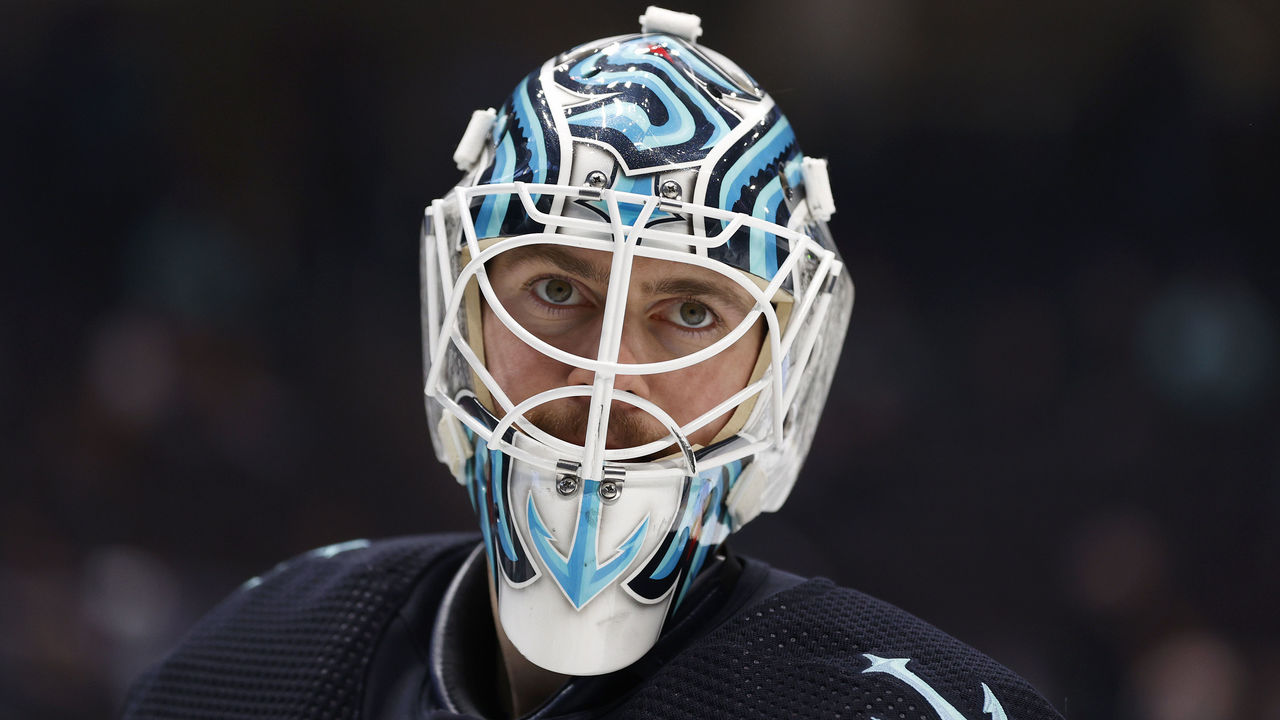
612	628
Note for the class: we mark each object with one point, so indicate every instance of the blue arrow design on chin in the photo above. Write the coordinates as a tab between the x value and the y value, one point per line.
579	574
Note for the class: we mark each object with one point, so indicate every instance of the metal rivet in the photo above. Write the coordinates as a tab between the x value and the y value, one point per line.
597	179
670	189
567	485
609	490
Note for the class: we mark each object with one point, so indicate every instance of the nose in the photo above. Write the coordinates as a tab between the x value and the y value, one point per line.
631	350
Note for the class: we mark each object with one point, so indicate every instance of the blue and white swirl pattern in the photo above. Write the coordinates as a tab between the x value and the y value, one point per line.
652	98
761	177
526	148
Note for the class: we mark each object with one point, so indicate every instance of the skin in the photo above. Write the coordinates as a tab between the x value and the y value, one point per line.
672	310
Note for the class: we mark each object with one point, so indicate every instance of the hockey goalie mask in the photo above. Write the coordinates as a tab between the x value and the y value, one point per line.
632	311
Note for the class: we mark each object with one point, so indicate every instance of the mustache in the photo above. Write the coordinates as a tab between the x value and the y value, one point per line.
567	420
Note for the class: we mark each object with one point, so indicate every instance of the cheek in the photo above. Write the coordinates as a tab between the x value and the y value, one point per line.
734	370
501	350
520	370
702	387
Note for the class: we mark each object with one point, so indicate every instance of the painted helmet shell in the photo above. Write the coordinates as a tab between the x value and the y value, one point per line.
644	146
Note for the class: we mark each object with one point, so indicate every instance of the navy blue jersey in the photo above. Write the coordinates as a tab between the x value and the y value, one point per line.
402	629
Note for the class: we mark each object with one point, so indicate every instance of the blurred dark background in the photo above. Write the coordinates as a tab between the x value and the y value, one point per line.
1056	428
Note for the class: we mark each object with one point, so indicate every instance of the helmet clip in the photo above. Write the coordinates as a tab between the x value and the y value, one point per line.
817	188
662	20
567	477
472	142
611	485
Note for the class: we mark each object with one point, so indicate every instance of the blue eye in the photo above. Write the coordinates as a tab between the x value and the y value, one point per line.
555	291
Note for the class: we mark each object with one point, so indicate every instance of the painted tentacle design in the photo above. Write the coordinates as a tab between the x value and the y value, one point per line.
758	177
653	111
488	474
699	528
526	148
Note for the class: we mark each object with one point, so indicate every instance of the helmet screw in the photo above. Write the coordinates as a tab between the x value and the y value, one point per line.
597	179
567	485
609	490
670	189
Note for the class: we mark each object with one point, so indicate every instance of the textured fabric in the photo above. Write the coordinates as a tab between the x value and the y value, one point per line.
803	653
301	642
294	643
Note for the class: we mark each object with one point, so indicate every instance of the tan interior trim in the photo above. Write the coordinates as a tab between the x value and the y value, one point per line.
475	334
782	308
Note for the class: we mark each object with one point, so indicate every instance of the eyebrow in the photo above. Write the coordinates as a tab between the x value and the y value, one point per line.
598	273
696	287
561	258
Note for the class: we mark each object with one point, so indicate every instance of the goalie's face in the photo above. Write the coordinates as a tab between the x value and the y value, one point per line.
672	310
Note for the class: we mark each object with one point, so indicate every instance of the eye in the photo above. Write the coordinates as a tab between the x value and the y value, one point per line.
693	315
556	291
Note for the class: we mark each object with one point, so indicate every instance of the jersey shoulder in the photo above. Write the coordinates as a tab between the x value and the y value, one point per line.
820	650
295	640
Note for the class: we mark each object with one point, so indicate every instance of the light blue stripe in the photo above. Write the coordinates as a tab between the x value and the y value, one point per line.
479	462
699	486
638	51
530	122
764	245
682	124
757	253
633	122
500	497
486	530
673	553
579	574
494	207
752	161
627	118
710	509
